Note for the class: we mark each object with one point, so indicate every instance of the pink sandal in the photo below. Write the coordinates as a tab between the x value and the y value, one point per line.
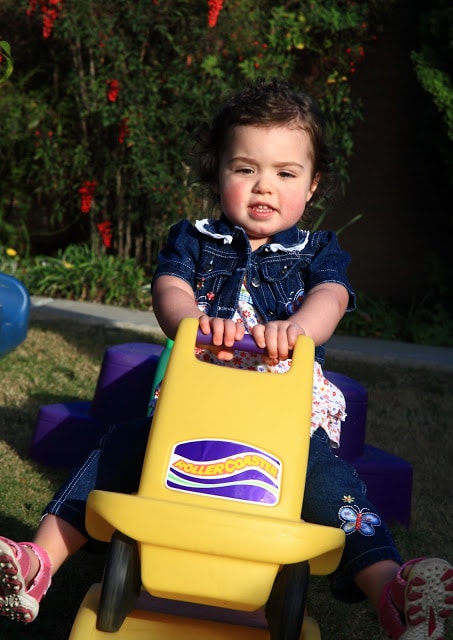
416	608
16	601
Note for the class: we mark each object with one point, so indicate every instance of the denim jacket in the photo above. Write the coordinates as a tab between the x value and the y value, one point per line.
215	257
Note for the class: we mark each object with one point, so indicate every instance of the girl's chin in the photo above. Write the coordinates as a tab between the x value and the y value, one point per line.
257	241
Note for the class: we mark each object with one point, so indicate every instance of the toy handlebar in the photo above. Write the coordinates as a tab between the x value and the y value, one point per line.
246	344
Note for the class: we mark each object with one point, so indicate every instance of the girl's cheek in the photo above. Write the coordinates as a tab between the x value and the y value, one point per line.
231	196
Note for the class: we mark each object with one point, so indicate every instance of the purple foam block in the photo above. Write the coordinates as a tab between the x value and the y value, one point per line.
125	381
389	483
64	434
354	427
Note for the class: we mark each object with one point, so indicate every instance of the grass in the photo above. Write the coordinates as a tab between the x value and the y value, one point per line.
408	415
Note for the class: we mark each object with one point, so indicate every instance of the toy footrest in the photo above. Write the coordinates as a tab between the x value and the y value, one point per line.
149	624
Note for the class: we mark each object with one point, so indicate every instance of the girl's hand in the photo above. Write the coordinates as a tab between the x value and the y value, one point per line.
224	334
278	338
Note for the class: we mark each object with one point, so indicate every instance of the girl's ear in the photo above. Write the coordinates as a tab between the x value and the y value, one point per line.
313	186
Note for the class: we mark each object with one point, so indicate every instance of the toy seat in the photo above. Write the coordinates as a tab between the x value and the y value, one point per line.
217	513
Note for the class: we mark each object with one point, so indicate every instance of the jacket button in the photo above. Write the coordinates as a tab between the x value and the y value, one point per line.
255	282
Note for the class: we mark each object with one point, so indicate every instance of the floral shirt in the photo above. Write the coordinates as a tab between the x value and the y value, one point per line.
328	408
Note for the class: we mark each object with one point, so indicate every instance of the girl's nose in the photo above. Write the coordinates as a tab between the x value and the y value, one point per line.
262	185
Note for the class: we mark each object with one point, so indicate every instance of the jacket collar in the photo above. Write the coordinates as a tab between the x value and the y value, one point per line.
292	239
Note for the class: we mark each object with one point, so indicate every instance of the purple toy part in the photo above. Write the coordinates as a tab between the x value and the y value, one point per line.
246	344
389	483
65	433
123	387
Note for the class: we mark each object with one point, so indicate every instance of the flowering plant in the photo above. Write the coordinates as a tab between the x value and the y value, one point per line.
95	133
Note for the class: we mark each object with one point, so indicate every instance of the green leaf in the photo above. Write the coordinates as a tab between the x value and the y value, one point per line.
5	56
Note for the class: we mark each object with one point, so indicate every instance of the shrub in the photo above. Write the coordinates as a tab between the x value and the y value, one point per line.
78	273
98	113
433	64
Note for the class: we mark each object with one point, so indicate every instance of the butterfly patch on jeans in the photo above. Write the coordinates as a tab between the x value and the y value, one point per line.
355	519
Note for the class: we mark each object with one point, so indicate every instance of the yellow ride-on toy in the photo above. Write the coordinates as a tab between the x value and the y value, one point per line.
214	532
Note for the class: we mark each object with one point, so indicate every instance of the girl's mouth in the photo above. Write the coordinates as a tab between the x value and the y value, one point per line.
261	211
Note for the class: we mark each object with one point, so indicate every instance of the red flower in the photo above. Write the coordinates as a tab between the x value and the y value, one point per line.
50	12
214	8
124	130
87	191
105	229
113	90
31	7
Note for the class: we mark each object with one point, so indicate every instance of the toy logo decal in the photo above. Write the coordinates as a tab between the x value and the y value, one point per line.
225	469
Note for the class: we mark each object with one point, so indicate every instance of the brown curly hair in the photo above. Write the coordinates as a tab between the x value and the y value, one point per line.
265	103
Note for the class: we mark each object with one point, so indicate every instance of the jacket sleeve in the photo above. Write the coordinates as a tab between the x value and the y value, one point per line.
329	264
180	253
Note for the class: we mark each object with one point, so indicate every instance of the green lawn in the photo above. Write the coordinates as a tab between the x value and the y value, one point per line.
409	414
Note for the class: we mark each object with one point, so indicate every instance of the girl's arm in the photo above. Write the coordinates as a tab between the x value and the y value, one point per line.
322	310
173	300
317	317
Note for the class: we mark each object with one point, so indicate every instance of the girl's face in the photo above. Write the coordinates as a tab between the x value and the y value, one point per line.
266	179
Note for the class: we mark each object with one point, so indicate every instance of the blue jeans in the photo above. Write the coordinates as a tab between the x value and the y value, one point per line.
334	496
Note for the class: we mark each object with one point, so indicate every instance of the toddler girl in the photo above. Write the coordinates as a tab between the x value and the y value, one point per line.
265	161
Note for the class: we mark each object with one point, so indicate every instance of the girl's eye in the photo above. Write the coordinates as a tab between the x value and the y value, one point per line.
246	170
286	174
